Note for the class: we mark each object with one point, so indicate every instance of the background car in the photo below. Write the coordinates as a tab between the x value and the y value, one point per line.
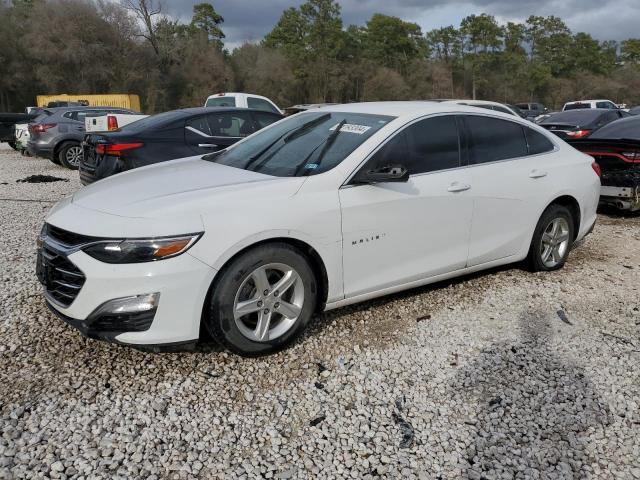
532	110
634	111
242	100
616	148
57	133
585	104
487	105
167	136
580	123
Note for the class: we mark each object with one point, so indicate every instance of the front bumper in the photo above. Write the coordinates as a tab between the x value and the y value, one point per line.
182	283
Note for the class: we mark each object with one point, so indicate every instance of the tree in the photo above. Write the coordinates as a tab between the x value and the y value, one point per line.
550	42
206	19
393	42
630	50
482	36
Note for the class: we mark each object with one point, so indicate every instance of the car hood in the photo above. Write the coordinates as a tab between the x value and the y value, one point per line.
185	186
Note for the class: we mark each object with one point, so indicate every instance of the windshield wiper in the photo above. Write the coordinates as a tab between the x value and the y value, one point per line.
287	137
327	145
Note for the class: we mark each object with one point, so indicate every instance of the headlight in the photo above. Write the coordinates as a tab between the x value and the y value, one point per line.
141	250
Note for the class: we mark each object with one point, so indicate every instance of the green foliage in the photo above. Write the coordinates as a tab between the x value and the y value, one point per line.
392	42
308	56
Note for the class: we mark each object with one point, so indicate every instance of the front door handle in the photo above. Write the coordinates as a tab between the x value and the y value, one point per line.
458	187
207	145
537	174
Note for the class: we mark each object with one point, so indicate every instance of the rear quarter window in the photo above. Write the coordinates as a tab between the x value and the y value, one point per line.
537	142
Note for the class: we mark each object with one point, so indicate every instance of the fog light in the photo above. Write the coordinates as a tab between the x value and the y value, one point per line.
127	305
127	314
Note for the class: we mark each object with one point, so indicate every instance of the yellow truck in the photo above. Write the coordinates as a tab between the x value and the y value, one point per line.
121	100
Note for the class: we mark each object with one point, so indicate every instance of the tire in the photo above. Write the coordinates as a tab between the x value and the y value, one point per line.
238	285
552	239
70	155
54	159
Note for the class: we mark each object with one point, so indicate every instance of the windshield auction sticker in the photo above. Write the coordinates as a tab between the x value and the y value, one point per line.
351	128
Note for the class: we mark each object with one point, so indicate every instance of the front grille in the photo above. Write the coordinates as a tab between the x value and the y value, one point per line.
61	278
68	239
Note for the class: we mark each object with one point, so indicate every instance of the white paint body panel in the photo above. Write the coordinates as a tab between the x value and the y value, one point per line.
372	239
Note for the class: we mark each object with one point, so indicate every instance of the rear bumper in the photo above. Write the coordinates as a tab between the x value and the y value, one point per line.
40	150
622	198
106	166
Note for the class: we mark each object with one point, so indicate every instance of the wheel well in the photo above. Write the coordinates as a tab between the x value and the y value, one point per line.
574	207
56	149
315	261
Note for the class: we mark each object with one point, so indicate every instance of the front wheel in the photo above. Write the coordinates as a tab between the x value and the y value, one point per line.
263	300
70	155
552	239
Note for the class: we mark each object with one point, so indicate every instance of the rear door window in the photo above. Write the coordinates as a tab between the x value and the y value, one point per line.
261	104
494	139
428	145
221	102
200	125
233	124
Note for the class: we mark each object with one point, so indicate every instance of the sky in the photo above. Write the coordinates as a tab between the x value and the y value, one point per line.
250	20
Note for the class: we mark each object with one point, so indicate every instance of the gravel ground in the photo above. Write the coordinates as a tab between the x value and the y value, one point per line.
506	374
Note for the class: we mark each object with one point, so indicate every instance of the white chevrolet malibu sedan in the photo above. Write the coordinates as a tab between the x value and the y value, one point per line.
323	209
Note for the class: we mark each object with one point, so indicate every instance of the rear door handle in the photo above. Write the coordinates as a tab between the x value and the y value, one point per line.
458	187
537	174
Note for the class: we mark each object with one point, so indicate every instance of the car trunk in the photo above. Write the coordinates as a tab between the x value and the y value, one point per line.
619	160
93	162
561	129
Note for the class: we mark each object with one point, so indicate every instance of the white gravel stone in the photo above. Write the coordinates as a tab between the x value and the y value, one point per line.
477	378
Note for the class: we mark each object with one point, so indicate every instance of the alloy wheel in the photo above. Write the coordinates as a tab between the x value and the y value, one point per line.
555	242
268	302
73	155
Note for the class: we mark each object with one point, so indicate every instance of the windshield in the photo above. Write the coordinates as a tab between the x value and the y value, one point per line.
302	145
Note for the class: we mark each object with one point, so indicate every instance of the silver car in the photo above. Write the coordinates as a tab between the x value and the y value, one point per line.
57	133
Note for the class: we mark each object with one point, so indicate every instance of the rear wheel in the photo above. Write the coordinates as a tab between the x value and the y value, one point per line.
552	239
70	155
263	300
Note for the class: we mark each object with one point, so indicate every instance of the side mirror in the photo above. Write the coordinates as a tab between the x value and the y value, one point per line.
389	173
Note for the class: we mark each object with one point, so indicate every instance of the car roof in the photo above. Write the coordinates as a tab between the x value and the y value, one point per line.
198	110
590	101
413	108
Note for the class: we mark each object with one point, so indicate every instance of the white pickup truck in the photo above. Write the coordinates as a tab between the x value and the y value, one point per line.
242	100
109	122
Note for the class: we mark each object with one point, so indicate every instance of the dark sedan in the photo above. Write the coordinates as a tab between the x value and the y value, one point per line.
168	136
575	124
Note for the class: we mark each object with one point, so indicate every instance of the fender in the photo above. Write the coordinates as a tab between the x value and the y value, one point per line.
330	254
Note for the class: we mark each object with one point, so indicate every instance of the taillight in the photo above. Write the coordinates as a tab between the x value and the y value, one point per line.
633	156
579	133
41	127
116	149
596	168
112	123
